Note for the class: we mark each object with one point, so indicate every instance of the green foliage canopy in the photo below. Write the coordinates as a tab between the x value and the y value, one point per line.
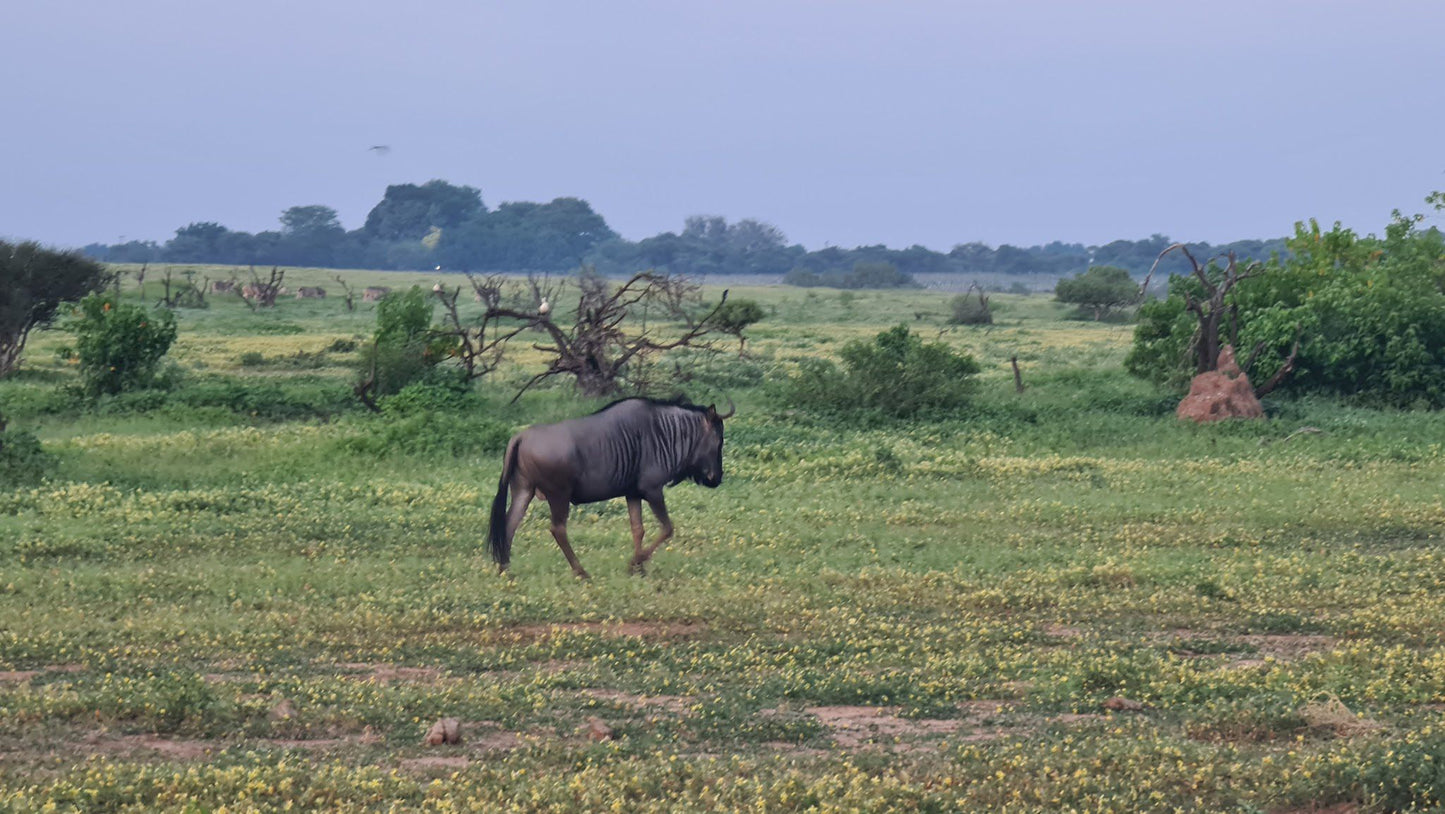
1368	312
405	349
34	281
1099	289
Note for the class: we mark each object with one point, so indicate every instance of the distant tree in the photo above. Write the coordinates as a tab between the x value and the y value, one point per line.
311	235
410	211
877	275
1100	289
734	316
522	235
201	242
34	281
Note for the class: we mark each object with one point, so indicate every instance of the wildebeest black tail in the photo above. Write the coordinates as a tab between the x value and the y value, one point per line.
497	536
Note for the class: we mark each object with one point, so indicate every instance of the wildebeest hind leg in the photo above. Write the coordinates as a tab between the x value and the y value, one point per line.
659	510
560	509
634	515
521	499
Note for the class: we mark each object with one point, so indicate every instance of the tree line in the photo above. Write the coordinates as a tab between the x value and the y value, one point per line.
422	226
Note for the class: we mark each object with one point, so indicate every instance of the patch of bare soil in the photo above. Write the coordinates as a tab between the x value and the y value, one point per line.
22	676
434	763
853	727
171	748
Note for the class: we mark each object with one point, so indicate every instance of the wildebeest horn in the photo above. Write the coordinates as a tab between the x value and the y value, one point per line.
732	408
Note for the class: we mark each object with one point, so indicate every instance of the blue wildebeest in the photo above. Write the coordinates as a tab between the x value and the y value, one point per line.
631	448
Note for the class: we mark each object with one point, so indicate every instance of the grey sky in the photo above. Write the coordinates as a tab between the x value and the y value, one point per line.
840	122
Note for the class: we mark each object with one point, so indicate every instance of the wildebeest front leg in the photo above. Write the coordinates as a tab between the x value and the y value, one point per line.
561	507
634	515
659	510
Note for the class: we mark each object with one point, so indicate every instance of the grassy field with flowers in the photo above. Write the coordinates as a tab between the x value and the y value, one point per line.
248	594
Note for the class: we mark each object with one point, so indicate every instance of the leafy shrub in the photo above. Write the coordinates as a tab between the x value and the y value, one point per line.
897	374
967	310
403	350
440	393
22	460
120	346
1369	315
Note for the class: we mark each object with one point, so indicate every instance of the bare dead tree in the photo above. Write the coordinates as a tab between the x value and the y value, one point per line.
1211	310
482	343
1215	307
262	294
166	288
609	332
365	389
350	299
140	279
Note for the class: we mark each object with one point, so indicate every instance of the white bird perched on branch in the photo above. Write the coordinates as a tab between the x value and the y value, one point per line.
545	308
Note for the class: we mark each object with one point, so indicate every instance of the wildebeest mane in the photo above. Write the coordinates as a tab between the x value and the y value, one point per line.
675	401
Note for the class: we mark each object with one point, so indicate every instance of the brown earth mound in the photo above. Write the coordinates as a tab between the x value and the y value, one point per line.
1224	392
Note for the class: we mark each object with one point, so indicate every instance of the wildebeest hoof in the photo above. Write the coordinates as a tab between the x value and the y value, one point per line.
582	574
637	569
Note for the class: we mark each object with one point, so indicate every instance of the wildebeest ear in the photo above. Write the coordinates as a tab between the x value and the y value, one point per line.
712	411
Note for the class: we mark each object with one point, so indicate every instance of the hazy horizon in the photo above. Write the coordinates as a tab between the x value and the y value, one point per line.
841	123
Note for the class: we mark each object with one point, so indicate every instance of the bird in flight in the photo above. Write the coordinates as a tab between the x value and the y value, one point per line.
379	149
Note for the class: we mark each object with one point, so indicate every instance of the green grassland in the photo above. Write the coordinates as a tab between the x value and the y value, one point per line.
247	593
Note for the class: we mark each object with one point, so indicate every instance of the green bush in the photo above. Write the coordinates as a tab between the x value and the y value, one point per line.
22	460
404	349
439	393
970	310
897	375
1369	315
120	346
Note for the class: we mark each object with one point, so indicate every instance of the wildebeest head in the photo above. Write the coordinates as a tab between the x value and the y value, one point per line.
706	467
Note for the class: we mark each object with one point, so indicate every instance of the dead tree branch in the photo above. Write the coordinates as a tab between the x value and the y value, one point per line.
350	299
262	294
1214	307
610	335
